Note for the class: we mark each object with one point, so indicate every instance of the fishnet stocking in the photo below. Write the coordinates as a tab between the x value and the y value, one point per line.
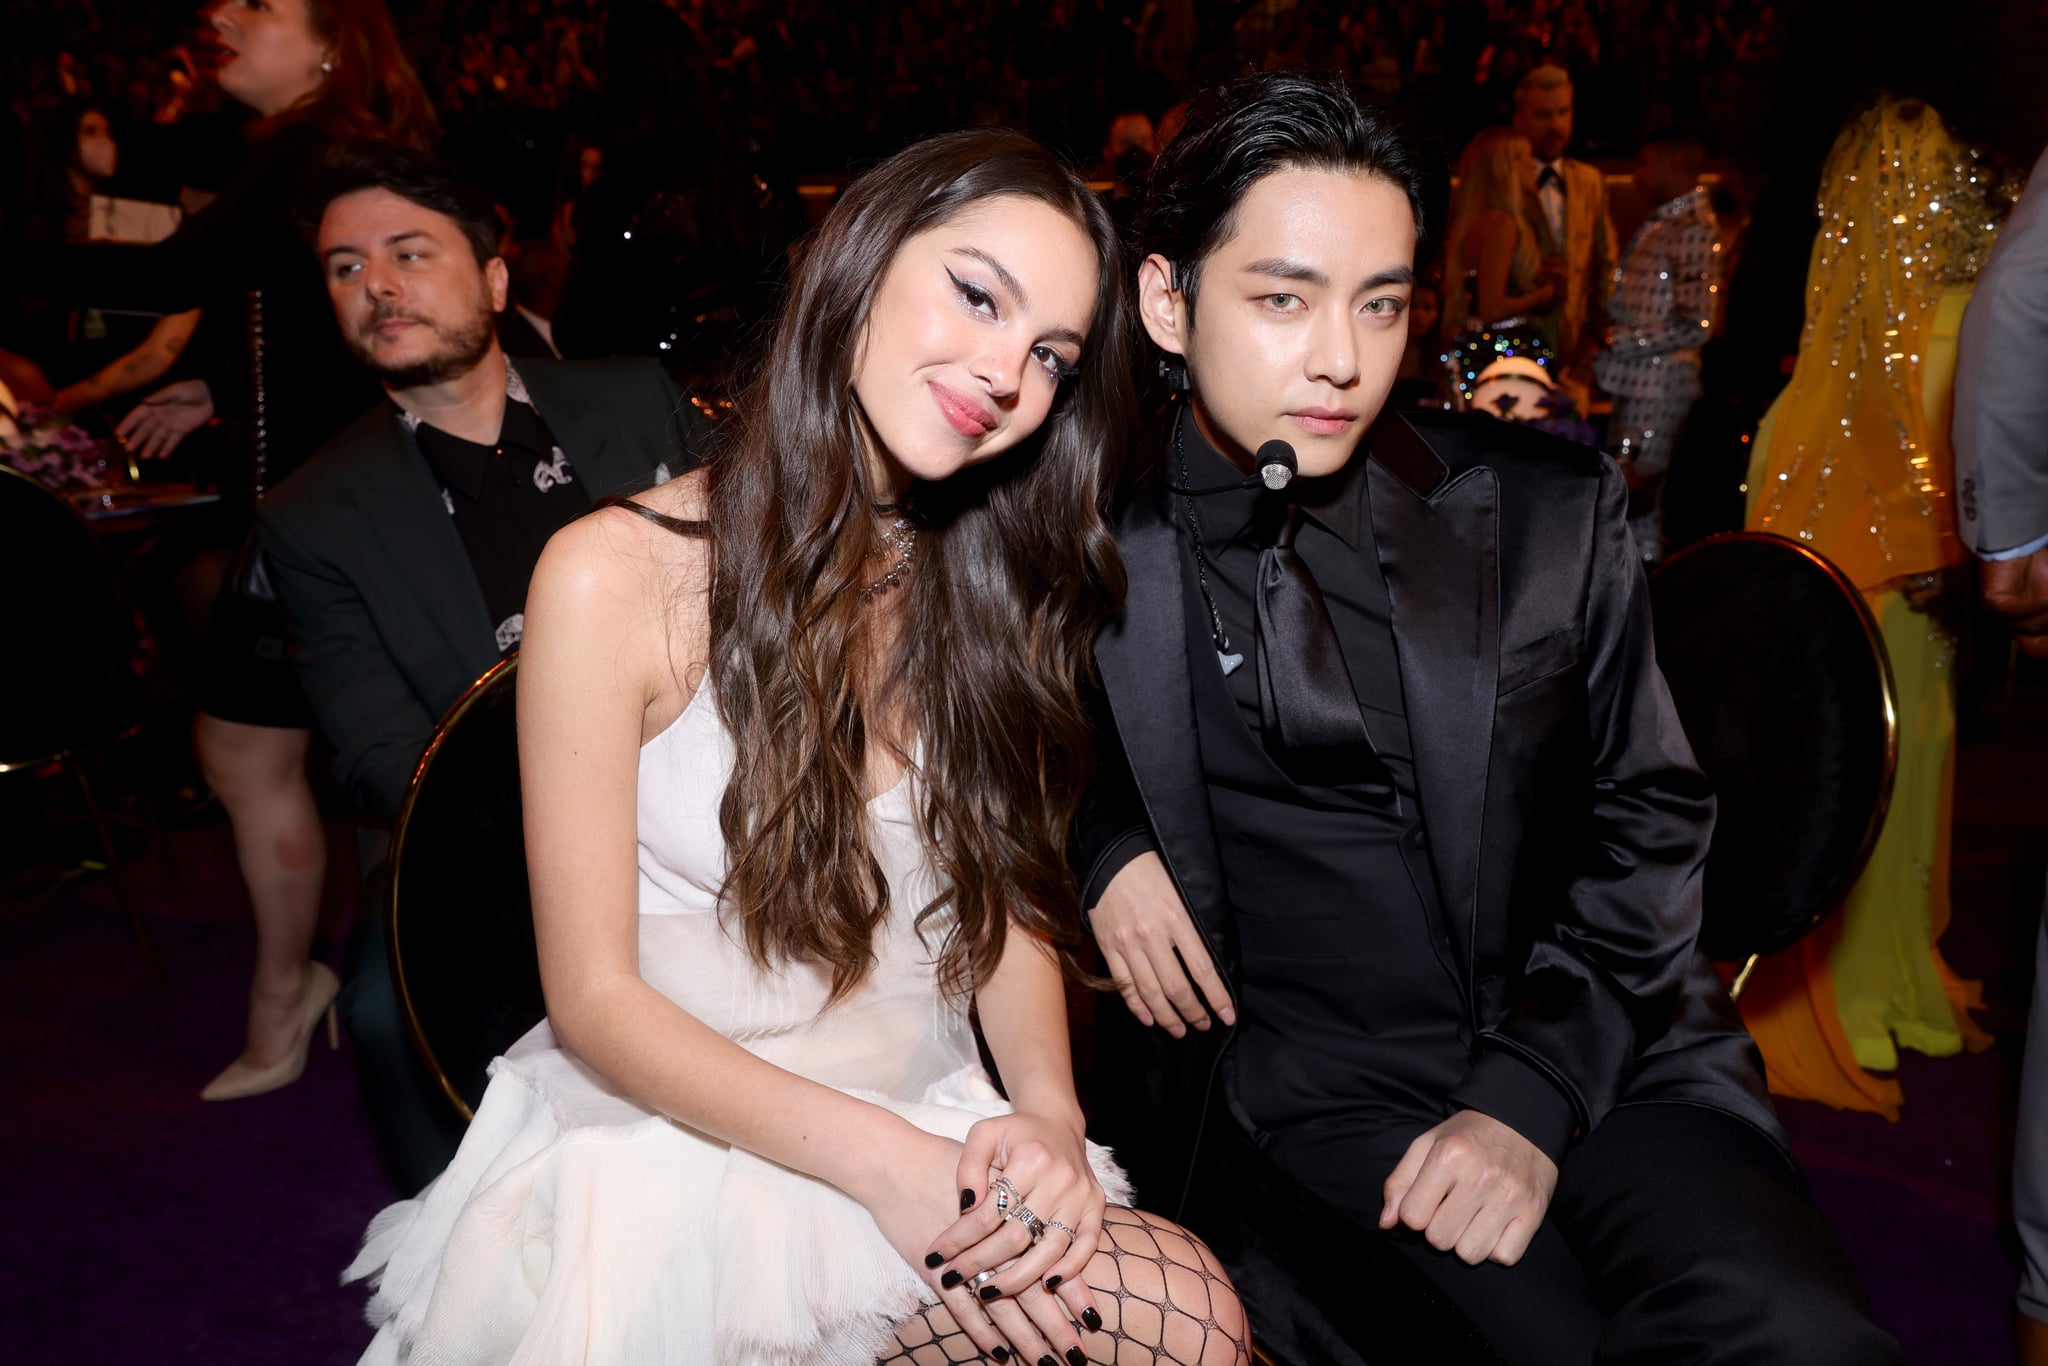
1165	1301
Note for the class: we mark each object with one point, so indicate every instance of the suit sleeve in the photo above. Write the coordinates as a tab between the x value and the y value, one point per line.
1695	269
1609	970
1110	829
2001	414
365	708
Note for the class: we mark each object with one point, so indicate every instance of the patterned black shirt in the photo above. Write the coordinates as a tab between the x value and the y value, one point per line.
507	498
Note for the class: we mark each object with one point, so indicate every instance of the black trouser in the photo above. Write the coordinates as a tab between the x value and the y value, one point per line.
420	1130
1677	1234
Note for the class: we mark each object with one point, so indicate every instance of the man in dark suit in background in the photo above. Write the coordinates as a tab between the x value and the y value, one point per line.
402	550
1389	771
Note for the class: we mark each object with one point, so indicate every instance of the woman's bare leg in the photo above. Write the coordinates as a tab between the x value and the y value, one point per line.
1165	1301
259	774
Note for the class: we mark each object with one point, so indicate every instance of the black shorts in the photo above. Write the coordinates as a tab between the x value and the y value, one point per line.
245	668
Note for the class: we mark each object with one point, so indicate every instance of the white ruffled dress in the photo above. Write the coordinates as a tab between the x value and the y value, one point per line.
576	1225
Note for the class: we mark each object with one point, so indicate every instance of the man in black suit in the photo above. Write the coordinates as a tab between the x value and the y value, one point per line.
402	550
1391	775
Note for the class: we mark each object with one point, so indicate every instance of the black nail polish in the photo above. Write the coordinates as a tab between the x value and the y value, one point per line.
1052	1283
1047	1361
999	1353
1091	1320
989	1292
949	1280
1076	1357
966	1201
932	1259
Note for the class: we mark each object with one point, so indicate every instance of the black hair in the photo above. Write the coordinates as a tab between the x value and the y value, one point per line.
414	176
1681	141
1240	132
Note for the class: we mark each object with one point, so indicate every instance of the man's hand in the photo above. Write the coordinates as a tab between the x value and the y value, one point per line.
156	425
1141	924
1474	1186
2017	590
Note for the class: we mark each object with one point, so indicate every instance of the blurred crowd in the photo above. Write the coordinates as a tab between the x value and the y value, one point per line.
810	86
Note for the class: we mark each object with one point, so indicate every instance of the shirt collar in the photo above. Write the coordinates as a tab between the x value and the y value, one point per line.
462	464
1335	502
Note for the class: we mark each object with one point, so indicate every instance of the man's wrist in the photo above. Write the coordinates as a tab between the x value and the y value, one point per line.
1502	1086
2018	552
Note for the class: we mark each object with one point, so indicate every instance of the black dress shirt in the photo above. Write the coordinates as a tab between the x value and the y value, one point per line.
507	499
1351	1006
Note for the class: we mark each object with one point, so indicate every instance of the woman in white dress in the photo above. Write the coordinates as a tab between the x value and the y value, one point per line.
800	742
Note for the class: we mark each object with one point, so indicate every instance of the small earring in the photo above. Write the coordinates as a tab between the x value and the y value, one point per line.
327	66
1174	372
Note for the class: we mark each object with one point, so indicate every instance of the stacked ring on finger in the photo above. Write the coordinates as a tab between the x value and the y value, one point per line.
1023	1215
981	1278
1054	1223
1005	1193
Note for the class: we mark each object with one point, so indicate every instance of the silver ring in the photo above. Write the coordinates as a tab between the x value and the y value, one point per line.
1005	1193
1024	1216
1054	1223
980	1278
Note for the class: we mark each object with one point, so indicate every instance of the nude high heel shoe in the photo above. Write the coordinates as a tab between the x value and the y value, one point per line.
240	1079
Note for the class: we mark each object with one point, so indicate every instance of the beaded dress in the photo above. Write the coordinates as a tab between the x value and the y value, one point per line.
1853	459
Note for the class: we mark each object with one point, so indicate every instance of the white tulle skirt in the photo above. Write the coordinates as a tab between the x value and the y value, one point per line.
574	1226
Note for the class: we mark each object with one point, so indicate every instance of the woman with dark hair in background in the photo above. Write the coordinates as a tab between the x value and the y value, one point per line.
800	743
77	160
273	366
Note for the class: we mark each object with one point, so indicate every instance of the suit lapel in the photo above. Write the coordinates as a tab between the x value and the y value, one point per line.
1579	202
405	512
1143	657
1439	548
579	429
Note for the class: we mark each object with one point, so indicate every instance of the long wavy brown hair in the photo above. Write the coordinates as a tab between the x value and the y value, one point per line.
373	90
1015	570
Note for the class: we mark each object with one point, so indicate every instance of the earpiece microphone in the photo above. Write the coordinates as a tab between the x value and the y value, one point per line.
1275	462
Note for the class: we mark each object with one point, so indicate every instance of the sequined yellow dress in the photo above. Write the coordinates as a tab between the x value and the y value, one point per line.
1853	459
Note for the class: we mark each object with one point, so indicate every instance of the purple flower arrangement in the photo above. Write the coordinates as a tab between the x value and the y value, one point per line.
56	452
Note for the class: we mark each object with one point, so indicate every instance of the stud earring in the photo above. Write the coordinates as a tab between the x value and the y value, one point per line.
327	66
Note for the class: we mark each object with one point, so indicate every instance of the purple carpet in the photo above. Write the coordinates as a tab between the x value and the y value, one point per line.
144	1225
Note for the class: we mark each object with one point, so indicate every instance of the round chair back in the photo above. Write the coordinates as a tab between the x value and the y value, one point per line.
63	623
1784	689
458	912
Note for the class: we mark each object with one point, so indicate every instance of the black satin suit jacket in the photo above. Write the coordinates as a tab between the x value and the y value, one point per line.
1567	822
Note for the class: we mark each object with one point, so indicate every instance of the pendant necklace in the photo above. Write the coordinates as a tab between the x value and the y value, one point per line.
901	537
1228	658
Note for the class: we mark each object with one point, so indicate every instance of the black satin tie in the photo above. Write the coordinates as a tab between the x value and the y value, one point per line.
1308	708
1549	176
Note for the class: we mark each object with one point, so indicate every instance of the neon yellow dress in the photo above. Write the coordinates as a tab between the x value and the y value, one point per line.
1853	459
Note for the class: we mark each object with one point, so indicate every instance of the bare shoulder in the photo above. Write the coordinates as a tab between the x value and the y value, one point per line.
619	592
617	552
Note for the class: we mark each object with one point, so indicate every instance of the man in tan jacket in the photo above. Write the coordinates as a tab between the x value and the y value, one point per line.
1569	213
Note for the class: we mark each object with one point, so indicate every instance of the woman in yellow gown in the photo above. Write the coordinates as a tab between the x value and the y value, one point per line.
1853	460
